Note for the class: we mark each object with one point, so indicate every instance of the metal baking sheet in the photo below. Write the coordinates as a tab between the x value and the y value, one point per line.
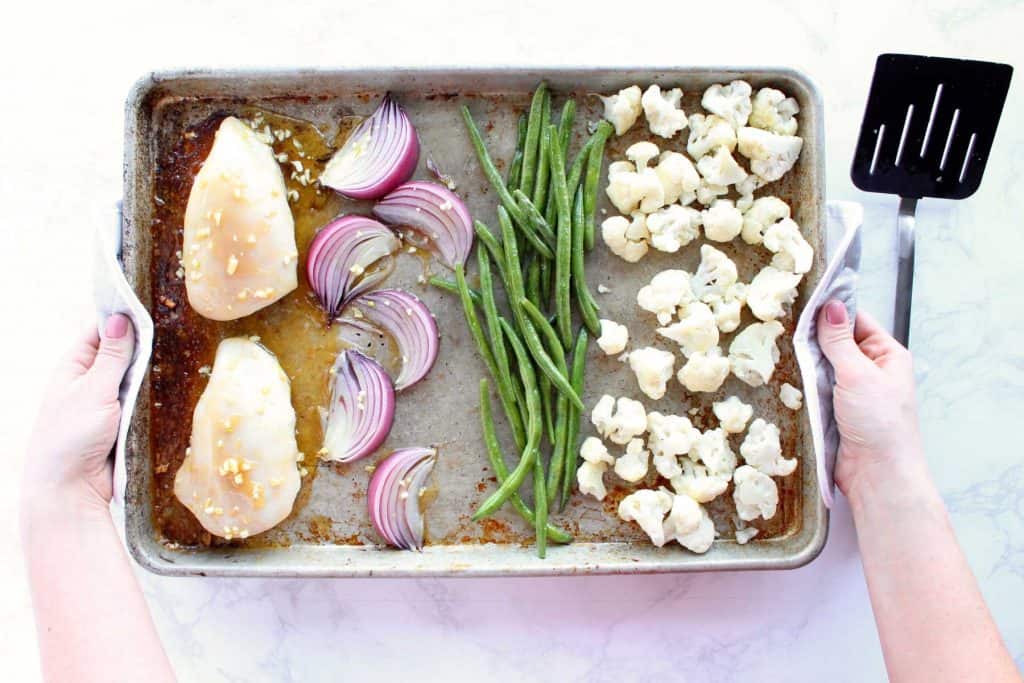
329	533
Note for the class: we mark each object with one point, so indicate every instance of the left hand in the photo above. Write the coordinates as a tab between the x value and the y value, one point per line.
69	449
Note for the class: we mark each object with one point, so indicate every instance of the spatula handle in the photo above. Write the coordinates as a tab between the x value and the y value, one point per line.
905	273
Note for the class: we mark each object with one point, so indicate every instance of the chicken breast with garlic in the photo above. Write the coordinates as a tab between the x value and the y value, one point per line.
240	474
239	249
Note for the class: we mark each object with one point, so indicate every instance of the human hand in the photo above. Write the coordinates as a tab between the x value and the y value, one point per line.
68	459
874	401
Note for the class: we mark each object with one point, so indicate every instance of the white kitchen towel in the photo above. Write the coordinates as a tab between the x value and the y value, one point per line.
113	294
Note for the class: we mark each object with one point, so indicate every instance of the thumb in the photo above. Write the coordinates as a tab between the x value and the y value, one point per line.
835	336
113	357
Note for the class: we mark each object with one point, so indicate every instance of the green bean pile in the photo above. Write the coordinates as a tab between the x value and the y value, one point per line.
534	357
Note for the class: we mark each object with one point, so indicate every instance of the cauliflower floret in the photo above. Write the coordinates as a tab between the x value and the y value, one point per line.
667	291
770	290
733	414
712	449
641	153
715	275
773	111
673	226
626	239
648	509
762	214
664	117
746	534
696	331
723	221
704	371
670	437
707	133
708	193
731	102
753	352
631	466
720	168
700	539
631	187
790	396
728	308
762	450
792	252
623	109
684	517
756	494
628	421
613	337
745	189
695	482
590	475
679	178
771	156
653	368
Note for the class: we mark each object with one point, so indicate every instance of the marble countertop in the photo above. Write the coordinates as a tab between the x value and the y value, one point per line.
68	72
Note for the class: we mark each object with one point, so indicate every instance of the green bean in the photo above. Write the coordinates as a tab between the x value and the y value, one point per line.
588	307
531	285
451	286
493	246
530	452
565	124
575	172
540	183
590	182
533	215
557	464
497	460
536	241
505	393
515	169
545	284
540	503
579	362
563	248
514	289
504	196
548	333
533	129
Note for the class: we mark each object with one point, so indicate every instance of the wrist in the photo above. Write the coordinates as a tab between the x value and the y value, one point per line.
47	510
901	480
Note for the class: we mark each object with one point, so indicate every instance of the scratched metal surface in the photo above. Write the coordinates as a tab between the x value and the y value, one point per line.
329	533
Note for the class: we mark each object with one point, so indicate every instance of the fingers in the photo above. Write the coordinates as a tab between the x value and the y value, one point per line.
867	326
113	357
81	355
835	336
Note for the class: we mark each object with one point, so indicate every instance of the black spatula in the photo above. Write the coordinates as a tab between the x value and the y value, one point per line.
927	131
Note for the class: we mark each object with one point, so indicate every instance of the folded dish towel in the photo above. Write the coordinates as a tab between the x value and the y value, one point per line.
113	294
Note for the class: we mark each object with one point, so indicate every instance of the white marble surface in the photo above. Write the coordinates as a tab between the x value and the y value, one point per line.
66	72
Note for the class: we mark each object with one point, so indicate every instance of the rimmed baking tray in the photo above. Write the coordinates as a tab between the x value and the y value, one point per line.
329	533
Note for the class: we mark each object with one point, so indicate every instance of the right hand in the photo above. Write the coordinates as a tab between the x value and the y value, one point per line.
875	406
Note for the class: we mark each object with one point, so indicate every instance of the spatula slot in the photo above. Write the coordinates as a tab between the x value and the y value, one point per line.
903	135
931	120
878	146
949	140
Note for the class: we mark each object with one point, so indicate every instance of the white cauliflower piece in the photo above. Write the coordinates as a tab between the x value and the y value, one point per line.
667	291
684	517
771	156
790	396
731	102
763	213
634	186
695	482
728	308
720	168
704	371
664	117
625	238
745	189
708	133
715	275
632	465
771	290
722	221
746	534
733	414
792	252
679	178
773	111
753	352
712	449
696	331
762	450
700	539
653	368
613	337
708	193
673	227
648	509
590	475
641	153
628	421
623	109
671	436
755	494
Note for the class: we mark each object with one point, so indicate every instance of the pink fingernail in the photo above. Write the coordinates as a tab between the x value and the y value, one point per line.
117	326
835	312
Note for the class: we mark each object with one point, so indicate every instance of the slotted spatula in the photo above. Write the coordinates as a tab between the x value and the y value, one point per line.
927	131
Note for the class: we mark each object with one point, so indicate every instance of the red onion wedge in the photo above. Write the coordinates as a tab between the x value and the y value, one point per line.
343	260
409	323
394	496
434	213
379	155
362	408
